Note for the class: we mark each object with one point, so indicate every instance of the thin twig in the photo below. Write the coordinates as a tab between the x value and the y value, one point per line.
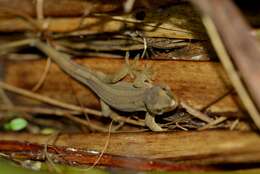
43	76
215	122
47	99
38	110
120	118
87	11
196	113
234	124
145	47
51	101
181	127
117	127
10	104
105	146
86	123
5	98
40	15
217	99
28	18
57	169
39	10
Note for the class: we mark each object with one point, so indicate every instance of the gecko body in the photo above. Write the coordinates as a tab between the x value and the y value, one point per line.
122	96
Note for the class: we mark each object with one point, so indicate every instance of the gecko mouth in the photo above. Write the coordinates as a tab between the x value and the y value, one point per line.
173	104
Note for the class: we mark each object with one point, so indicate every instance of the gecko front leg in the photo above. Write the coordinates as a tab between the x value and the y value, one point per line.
150	122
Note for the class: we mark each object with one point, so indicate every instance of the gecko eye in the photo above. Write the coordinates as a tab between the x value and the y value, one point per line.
159	111
167	90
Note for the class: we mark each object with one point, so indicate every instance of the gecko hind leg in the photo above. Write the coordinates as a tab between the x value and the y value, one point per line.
105	109
143	77
127	69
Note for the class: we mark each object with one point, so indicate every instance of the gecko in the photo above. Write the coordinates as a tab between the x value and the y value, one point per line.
122	96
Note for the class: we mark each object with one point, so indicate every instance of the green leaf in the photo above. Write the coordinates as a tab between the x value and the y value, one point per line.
16	124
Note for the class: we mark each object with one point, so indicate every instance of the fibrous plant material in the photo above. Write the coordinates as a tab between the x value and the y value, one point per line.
177	26
235	52
61	8
178	21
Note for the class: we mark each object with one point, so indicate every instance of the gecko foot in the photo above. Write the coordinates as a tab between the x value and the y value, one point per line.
150	122
127	69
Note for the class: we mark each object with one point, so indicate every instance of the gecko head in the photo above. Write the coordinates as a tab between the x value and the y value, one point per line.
159	99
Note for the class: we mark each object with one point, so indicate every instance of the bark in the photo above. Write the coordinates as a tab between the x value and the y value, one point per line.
78	157
205	147
60	8
94	25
